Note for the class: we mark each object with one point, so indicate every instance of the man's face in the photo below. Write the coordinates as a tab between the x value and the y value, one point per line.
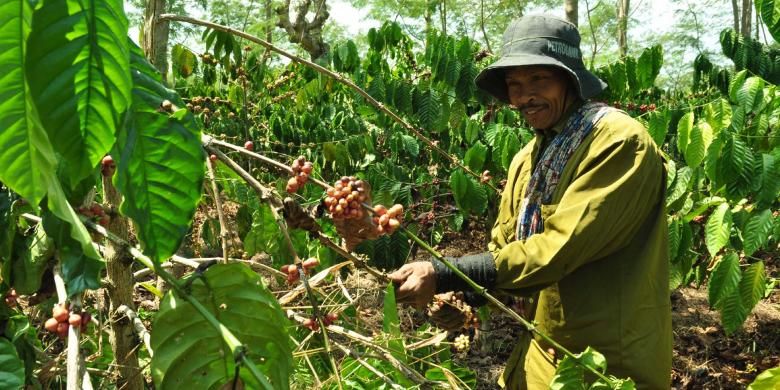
541	93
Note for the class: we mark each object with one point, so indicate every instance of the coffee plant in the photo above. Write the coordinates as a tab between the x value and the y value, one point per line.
103	167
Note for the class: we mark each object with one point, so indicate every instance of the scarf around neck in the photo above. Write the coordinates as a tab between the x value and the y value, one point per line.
547	172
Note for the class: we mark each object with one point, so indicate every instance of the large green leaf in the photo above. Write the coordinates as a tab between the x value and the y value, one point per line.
469	195
718	229
648	66
12	374
770	14
78	70
427	107
160	166
658	126
752	285
80	268
757	231
26	157
718	115
732	313
724	279
750	93
699	139
681	183
767	380
770	179
190	354
735	166
184	61
684	128
475	156
31	260
735	85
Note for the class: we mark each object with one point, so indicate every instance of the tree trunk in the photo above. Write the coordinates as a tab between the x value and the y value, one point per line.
623	7
572	14
443	14
155	36
120	282
302	31
735	10
482	24
747	15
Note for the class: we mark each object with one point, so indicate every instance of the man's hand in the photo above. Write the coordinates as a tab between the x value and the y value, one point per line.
416	284
449	312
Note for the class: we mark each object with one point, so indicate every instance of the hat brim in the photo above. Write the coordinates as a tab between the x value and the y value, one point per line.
491	79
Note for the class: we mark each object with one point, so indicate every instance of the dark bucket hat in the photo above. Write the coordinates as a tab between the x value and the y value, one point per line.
540	40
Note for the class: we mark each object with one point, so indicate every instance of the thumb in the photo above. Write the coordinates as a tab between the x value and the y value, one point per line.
399	276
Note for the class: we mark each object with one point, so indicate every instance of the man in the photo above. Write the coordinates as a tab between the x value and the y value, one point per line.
581	221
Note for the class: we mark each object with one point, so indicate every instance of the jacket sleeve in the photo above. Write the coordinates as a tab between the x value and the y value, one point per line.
614	189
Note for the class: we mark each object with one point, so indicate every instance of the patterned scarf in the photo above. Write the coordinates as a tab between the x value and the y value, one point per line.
548	169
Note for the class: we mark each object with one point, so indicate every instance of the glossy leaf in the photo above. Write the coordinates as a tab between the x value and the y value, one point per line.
684	128
752	285
699	140
767	380
724	279
469	195
750	93
658	126
648	66
78	70
184	61
27	158
681	182
475	156
735	85
718	228
770	14
189	353
80	268
32	259
732	313
770	179
757	231
160	166
12	374
718	115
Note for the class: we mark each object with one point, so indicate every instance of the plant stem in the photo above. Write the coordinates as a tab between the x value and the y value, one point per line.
341	79
275	204
476	287
223	230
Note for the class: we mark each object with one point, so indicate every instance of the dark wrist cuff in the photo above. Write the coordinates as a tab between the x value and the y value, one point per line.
481	268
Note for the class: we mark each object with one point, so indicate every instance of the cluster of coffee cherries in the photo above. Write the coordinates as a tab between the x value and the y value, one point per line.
461	343
455	301
96	212
388	220
631	106
10	297
301	171
292	269
61	318
345	198
314	326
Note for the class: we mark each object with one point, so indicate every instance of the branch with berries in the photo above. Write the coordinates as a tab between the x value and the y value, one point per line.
341	209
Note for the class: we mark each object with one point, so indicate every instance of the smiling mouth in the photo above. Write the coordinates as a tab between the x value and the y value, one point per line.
532	110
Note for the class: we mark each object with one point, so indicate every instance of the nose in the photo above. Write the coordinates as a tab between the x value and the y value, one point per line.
520	97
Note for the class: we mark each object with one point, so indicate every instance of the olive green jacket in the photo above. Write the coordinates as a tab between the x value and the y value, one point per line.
601	265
